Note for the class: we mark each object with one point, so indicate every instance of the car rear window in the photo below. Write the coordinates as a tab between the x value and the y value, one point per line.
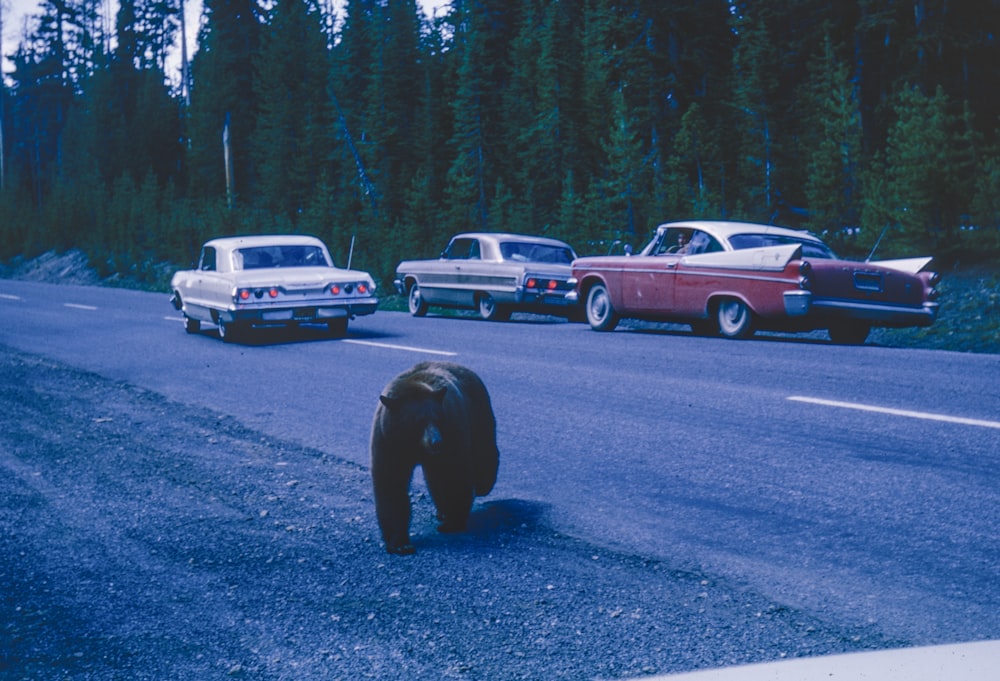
262	257
529	252
810	249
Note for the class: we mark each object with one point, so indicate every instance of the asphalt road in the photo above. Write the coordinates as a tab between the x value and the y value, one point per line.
858	486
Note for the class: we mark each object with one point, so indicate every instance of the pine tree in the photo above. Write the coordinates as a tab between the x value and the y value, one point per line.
222	89
755	74
833	146
917	162
292	142
483	30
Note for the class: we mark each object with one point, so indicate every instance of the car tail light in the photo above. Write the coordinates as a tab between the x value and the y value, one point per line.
553	284
362	288
531	283
335	289
805	268
805	283
244	294
273	292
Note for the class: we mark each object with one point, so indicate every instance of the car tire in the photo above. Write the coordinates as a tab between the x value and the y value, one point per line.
490	310
735	319
600	312
230	332
849	333
192	325
418	306
337	328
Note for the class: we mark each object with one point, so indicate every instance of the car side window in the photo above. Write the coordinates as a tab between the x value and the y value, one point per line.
702	243
207	259
463	249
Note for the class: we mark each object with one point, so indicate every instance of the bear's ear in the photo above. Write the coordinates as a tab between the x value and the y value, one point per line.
389	402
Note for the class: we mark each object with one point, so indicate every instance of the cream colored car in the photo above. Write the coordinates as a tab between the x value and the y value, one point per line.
494	273
250	281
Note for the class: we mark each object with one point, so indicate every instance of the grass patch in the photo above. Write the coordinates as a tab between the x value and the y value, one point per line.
969	317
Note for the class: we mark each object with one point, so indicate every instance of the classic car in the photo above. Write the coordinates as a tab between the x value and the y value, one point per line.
494	273
247	281
734	278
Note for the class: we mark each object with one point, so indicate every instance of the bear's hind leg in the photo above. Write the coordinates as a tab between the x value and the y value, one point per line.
452	497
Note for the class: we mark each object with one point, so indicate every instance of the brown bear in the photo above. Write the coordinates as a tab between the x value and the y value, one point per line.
436	415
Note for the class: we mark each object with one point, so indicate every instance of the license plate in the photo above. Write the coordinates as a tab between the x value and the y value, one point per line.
867	281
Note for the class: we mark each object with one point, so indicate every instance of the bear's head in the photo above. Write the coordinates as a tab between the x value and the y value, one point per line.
415	417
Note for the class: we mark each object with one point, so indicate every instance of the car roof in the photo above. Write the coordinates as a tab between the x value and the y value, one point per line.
726	229
511	236
250	241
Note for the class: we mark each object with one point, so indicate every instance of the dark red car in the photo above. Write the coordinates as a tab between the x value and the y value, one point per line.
733	278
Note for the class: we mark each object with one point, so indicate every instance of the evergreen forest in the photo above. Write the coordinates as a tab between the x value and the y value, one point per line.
869	122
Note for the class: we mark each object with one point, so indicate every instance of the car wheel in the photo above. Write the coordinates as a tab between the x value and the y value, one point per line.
490	310
192	325
418	307
600	312
735	319
849	333
230	332
337	327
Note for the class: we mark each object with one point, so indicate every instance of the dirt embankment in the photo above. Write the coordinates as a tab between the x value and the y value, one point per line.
144	539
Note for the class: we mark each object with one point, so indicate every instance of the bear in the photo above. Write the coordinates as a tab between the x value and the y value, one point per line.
436	415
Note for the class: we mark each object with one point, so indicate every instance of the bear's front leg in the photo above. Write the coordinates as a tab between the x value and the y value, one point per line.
392	508
452	493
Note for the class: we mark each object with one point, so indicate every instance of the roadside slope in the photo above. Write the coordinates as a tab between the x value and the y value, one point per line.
143	539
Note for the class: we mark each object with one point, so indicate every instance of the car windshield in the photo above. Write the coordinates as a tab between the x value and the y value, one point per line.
519	251
262	257
810	248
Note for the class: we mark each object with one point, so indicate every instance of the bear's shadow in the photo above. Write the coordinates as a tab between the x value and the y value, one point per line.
489	522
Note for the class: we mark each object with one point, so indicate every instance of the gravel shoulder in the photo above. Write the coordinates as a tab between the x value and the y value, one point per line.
143	539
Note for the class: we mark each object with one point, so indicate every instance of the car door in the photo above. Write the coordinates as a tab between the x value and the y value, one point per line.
458	287
648	281
196	282
214	289
696	279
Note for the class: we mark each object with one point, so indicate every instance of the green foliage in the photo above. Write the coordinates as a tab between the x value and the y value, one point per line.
591	121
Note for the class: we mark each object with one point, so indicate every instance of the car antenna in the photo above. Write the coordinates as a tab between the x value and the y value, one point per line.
877	242
350	253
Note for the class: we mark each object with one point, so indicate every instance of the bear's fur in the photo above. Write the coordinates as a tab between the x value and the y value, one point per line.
436	415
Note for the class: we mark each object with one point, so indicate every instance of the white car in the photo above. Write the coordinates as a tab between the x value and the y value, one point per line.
494	273
247	281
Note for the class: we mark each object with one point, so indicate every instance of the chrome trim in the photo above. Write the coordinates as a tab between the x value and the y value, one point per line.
797	303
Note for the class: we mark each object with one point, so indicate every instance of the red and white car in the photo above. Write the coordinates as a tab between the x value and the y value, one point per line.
733	278
248	281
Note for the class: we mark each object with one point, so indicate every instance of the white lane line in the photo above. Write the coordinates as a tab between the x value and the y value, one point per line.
926	416
408	348
7	296
75	306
